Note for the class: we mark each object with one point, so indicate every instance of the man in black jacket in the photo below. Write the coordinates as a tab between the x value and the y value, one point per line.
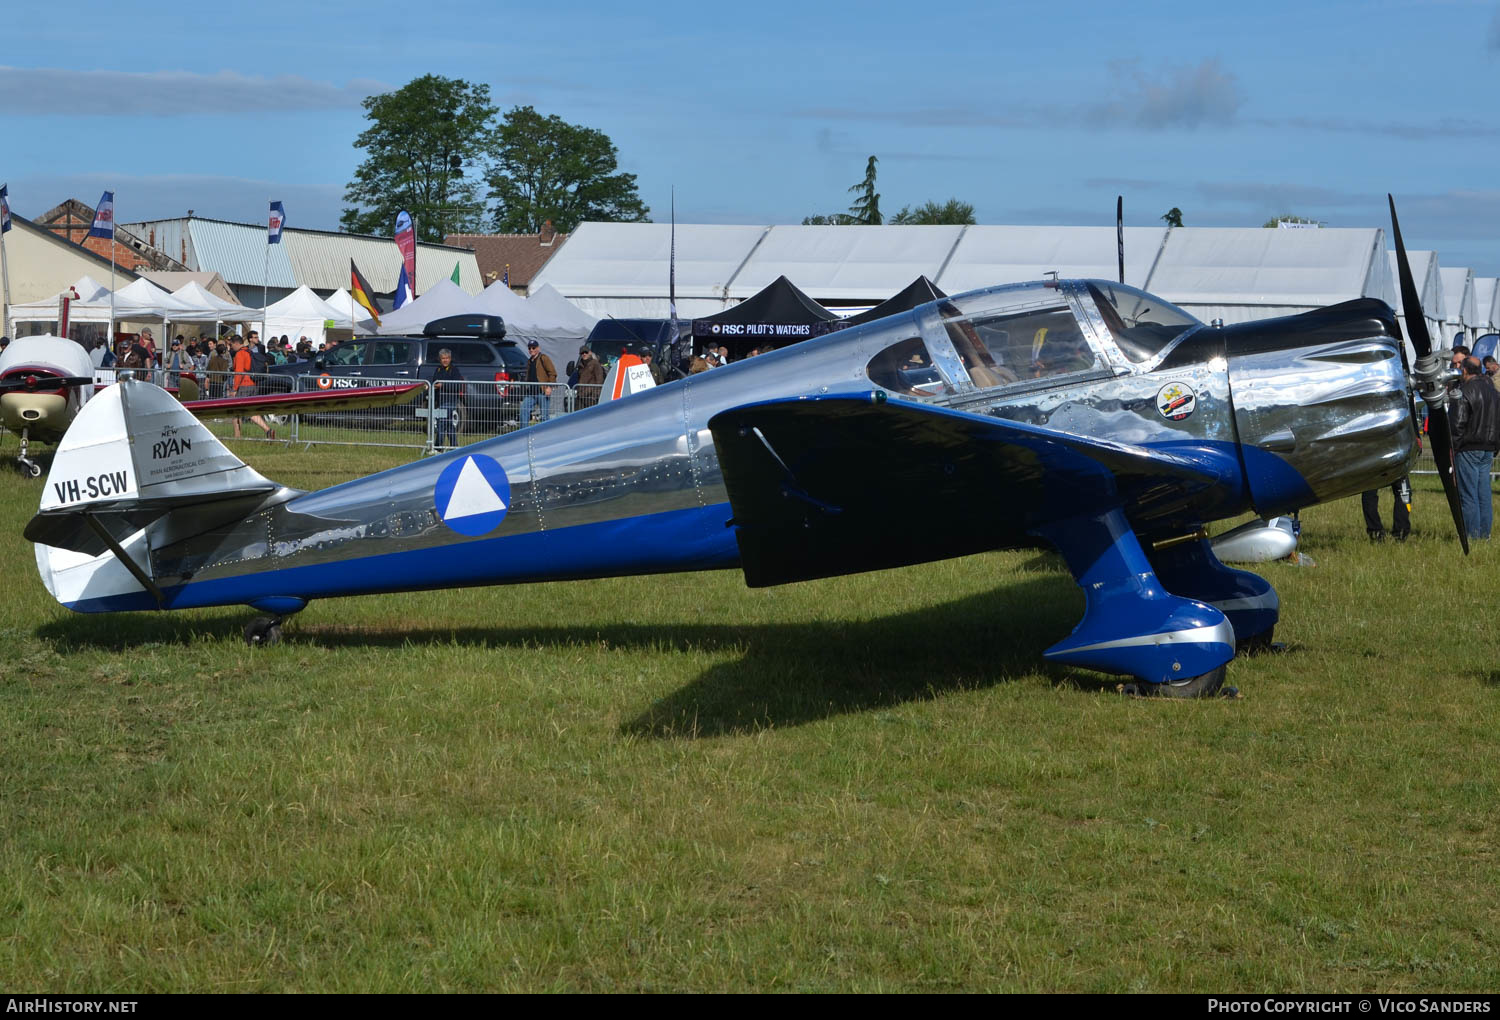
447	392
1475	421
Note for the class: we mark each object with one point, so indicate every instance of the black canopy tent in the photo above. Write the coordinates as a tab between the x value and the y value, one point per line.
779	315
918	292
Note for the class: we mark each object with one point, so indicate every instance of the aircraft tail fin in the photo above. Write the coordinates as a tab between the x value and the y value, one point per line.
132	455
629	374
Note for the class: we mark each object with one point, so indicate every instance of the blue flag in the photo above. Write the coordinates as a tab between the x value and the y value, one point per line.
403	291
104	217
4	208
277	221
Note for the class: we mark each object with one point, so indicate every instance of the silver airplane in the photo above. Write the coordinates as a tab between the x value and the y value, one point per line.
1082	413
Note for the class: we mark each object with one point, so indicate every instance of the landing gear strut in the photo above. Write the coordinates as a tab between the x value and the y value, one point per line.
28	465
1171	645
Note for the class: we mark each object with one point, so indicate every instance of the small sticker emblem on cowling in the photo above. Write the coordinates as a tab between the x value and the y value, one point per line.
1176	401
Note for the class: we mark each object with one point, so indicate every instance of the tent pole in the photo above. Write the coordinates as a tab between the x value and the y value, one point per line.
5	279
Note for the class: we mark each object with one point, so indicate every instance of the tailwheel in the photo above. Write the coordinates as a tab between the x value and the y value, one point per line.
263	631
1258	644
31	467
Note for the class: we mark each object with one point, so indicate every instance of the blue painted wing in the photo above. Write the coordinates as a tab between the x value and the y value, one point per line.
843	483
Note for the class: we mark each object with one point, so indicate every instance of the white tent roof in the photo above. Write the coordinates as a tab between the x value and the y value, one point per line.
209	307
91	305
986	256
1284	269
90	289
849	262
1486	292
301	312
442	299
144	301
343	302
1458	296
499	299
1229	273
549	311
623	267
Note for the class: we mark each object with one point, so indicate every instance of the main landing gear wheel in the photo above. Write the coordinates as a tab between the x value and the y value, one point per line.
32	468
1205	685
263	631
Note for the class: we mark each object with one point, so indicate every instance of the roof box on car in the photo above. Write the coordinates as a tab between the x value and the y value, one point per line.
488	327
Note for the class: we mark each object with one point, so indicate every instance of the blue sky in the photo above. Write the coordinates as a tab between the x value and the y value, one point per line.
765	113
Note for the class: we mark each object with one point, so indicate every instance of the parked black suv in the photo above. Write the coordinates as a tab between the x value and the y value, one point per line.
480	352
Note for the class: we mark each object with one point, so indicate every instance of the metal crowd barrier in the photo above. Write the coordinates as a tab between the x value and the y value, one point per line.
435	420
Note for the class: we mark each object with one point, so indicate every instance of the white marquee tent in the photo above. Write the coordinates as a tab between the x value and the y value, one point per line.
343	302
1426	275
441	300
209	307
1230	273
91	305
1459	311
1486	292
1240	274
303	314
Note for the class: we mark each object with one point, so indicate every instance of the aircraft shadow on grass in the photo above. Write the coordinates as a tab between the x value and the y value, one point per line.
787	673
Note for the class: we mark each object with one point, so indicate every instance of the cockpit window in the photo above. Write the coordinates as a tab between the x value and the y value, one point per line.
1142	324
906	368
999	349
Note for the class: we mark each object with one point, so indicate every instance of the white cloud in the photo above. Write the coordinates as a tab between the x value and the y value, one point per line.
61	92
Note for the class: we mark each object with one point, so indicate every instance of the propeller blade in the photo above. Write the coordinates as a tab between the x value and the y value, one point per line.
1411	301
1429	372
1442	452
1120	232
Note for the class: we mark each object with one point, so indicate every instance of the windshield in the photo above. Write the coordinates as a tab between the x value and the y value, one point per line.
1142	324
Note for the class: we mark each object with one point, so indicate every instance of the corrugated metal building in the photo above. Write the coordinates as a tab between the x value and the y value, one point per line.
316	258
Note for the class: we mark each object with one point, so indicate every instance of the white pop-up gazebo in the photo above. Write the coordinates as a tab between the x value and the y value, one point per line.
302	313
442	299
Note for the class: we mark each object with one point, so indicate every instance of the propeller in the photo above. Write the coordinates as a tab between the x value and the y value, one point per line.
1120	233
1429	372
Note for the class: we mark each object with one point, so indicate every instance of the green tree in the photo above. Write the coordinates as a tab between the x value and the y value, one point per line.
936	213
837	219
548	169
1173	216
866	207
420	141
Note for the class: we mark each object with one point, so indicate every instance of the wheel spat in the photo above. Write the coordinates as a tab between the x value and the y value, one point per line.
1429	372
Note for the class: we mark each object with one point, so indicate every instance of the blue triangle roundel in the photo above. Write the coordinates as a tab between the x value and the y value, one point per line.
472	495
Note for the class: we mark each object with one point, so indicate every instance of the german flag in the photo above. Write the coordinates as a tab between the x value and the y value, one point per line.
360	291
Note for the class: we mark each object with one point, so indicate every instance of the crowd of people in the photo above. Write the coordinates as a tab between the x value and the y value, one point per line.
206	358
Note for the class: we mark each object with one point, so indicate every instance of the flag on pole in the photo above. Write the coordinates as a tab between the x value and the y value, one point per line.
403	291
454	277
104	217
507	274
406	240
277	221
5	209
360	291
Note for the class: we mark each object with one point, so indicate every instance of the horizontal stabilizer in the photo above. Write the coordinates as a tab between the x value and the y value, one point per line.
132	455
840	483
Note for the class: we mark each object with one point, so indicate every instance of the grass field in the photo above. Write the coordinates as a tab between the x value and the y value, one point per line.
865	783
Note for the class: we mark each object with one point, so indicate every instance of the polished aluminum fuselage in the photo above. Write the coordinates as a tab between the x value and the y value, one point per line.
635	486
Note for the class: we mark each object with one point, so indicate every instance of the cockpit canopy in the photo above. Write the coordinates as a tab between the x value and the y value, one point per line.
1026	335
